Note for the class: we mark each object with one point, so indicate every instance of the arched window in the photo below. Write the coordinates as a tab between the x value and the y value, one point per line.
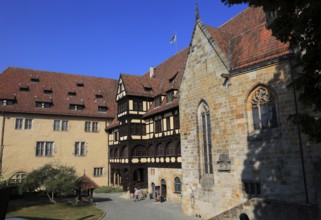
177	185
151	151
124	152
160	150
170	149
263	107
111	153
139	151
116	153
18	177
204	123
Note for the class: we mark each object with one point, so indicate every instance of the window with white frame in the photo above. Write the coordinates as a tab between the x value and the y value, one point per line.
80	148
45	149
28	123
22	123
95	126
64	126
87	126
18	177
56	126
98	171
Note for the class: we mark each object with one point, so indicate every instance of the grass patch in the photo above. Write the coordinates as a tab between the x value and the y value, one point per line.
47	211
107	189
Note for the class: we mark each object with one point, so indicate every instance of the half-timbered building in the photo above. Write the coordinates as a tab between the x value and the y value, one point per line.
144	138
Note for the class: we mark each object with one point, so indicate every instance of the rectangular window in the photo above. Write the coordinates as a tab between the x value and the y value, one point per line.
169	96
64	126
56	126
45	149
19	122
176	121
80	148
76	107
28	123
87	126
95	126
43	104
116	136
136	129
252	188
168	123
102	108
138	105
98	171
158	125
158	101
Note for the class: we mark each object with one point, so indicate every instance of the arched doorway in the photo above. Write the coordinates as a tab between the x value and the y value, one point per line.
153	191
163	188
125	180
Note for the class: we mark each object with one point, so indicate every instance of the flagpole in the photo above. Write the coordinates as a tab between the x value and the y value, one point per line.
176	42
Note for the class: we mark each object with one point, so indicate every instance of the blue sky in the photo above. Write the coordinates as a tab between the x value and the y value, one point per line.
100	37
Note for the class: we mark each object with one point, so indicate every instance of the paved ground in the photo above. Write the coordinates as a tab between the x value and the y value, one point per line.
118	208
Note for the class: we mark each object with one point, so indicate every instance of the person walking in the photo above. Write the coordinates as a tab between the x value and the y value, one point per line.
136	193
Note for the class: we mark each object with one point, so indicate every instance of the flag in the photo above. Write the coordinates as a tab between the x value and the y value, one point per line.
173	39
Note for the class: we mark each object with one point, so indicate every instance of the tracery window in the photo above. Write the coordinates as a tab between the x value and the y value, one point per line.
139	151
264	112
170	149
205	138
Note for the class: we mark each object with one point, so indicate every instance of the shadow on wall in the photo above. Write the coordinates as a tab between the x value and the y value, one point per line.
275	176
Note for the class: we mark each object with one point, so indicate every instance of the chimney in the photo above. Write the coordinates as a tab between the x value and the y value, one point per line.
151	71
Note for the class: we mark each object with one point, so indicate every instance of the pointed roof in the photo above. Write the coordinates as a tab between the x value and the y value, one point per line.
85	182
244	40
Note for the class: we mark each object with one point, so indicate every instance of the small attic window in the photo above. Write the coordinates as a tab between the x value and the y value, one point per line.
99	96
148	89
72	93
76	107
24	88
6	102
34	79
43	104
80	84
102	108
158	101
47	91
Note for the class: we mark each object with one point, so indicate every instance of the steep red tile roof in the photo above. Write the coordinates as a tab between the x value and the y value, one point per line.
59	85
244	40
163	107
140	85
170	72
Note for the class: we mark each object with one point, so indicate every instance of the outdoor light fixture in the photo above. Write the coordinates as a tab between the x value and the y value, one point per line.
226	77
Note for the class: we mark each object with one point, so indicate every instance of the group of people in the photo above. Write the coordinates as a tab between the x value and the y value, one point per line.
139	194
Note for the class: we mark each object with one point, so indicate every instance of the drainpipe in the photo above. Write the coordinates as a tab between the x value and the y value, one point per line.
2	140
300	138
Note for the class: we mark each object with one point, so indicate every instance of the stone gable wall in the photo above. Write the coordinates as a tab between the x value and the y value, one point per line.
271	158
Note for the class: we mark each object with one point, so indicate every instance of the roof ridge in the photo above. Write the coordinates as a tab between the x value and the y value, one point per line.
232	18
55	72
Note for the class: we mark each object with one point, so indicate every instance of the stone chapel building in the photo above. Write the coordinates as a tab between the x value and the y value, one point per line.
236	140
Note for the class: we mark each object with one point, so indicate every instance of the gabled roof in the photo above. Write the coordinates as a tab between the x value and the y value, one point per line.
140	85
245	40
60	84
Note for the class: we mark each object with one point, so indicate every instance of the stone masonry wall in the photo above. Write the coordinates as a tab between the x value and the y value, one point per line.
271	158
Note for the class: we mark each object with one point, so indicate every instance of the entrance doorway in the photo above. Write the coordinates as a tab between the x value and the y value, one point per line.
153	191
163	188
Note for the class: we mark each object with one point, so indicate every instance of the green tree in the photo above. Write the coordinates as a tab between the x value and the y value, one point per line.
298	23
55	180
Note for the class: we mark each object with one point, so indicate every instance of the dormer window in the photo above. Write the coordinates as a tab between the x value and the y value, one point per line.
80	84
102	108
72	93
99	96
24	88
43	104
34	79
6	102
158	101
76	107
169	96
47	91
